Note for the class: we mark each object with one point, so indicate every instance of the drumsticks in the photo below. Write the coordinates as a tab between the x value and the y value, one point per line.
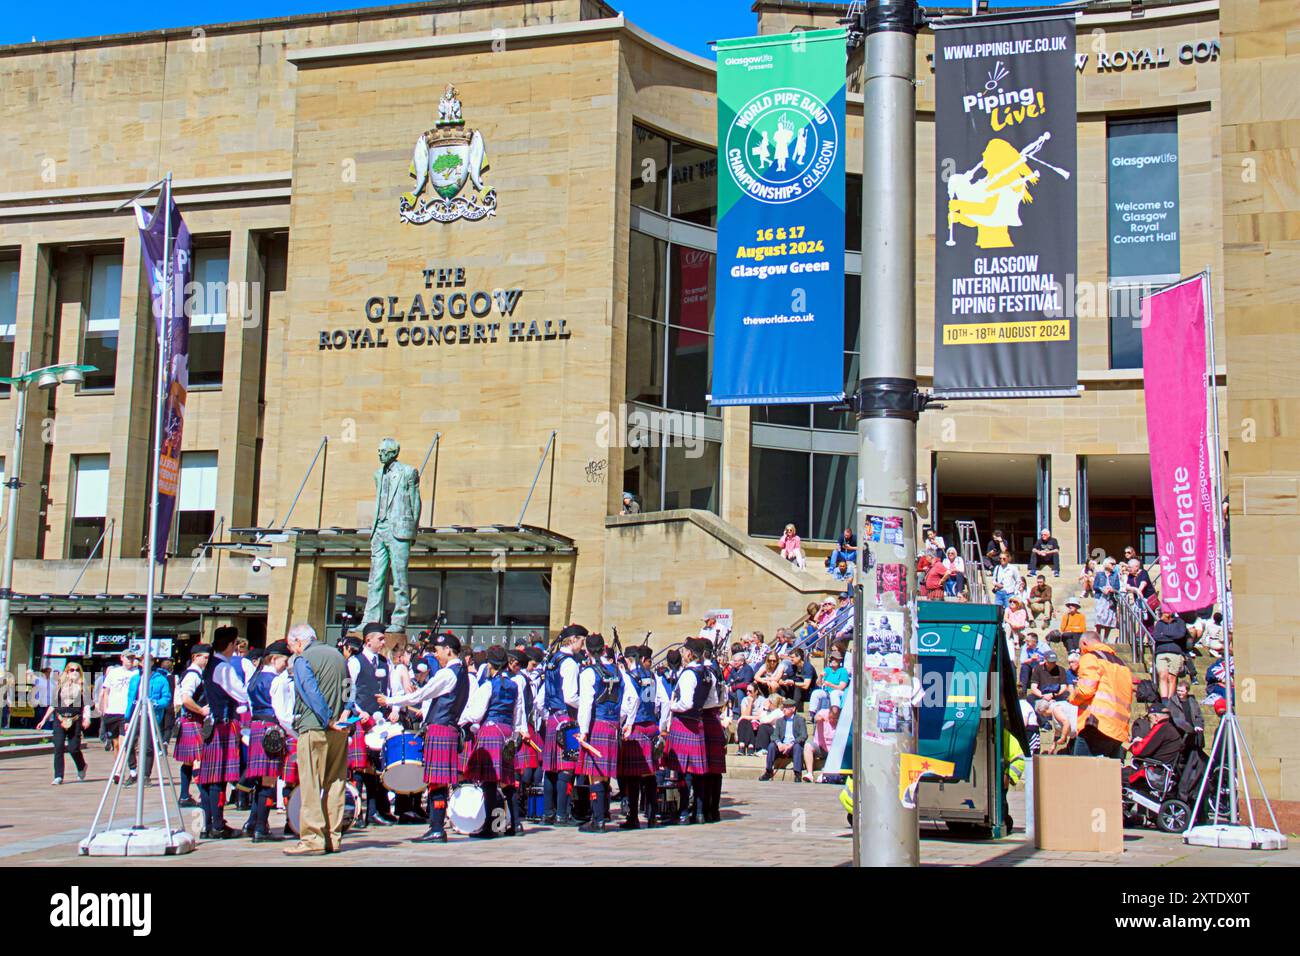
591	750
529	741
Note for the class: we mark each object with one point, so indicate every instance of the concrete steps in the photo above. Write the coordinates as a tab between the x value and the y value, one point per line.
25	744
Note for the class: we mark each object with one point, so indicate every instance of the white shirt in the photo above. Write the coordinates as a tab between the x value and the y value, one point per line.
189	686
387	685
632	700
442	682
479	699
1007	576
568	682
683	695
117	681
282	696
587	681
223	675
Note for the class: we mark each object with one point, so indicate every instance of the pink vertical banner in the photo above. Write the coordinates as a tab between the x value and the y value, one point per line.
1174	367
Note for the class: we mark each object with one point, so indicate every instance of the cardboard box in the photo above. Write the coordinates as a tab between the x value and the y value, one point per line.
1077	804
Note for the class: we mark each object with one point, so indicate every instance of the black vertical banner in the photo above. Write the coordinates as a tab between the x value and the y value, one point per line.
1006	215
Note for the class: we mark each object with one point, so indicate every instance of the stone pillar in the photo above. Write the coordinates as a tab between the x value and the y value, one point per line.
1065	522
241	379
33	336
735	467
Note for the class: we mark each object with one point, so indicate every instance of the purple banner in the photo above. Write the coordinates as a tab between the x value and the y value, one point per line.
173	326
1173	363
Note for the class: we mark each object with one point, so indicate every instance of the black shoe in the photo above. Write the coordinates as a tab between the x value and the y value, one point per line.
630	824
380	821
432	836
248	827
685	818
549	821
410	818
267	837
388	819
360	823
798	779
225	833
766	776
187	802
592	826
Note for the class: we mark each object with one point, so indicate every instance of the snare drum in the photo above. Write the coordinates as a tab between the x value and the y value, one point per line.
535	805
351	800
404	763
466	808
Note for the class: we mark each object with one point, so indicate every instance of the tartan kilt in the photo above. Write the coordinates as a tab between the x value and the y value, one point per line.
358	755
189	741
260	763
552	749
636	755
605	737
441	759
290	771
486	763
219	759
715	742
526	758
686	751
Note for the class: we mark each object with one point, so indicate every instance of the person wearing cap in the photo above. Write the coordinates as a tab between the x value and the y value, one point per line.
1016	622
1073	624
715	736
1162	743
1103	693
1047	681
497	710
189	738
447	692
630	506
219	760
600	701
687	749
371	674
560	696
264	767
644	702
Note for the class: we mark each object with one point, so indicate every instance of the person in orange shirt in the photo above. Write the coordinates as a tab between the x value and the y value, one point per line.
1103	694
1073	624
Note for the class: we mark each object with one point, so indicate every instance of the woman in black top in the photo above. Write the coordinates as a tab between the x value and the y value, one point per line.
71	713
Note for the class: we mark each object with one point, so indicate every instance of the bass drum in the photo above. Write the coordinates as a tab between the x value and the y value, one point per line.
351	800
466	809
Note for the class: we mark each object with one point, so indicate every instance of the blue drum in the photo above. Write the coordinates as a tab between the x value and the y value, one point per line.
569	746
404	763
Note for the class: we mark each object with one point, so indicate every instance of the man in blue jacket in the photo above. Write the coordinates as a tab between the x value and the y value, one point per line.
160	698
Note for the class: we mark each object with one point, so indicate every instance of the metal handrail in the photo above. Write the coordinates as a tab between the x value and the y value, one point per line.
1131	616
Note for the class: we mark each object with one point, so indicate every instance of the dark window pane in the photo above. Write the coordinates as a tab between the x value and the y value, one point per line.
103	321
84	536
426	597
645	276
645	361
471	597
649	170
349	598
823	417
193	528
208	316
778	491
689	365
852	311
8	318
526	598
834	487
1126	326
692	476
853	213
695	184
642	476
207	355
795	415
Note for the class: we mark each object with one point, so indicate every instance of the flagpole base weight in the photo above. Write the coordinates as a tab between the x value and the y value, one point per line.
1235	837
146	841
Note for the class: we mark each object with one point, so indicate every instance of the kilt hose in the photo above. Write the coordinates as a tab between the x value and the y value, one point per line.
260	763
219	759
441	758
553	749
636	754
604	736
289	773
486	762
189	740
687	751
715	742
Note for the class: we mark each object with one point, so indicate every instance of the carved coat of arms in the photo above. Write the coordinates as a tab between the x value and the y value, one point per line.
446	158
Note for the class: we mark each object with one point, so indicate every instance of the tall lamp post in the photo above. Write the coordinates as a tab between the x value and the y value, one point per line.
51	376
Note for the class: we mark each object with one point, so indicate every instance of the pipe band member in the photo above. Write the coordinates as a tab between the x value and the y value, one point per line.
715	738
219	761
496	712
561	703
447	692
600	701
645	701
194	709
687	751
371	674
264	767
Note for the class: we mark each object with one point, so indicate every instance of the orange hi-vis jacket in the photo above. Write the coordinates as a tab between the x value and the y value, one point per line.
1103	692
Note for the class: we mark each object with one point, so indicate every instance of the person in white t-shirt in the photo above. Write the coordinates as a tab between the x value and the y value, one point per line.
112	699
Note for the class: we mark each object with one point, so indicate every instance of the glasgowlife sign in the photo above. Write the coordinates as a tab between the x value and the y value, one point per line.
449	313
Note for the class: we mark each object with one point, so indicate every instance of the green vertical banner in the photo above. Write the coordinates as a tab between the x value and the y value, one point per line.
779	317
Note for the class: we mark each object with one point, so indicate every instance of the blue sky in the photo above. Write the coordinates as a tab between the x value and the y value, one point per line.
709	20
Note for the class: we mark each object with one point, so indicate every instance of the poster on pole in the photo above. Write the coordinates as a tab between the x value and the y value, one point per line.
779	315
1178	422
173	327
1006	244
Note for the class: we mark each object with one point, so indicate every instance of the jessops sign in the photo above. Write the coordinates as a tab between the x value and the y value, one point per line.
449	312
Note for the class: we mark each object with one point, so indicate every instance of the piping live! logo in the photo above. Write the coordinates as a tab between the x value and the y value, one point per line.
77	910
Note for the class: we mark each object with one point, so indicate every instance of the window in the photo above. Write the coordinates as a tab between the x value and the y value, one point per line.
4	476
103	322
208	318
89	504
649	170
8	318
674	178
196	508
1125	310
814	491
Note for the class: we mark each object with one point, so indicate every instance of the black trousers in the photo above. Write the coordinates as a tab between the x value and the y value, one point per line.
757	738
69	742
1054	562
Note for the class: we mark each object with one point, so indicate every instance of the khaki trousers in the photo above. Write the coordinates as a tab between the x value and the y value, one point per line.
322	770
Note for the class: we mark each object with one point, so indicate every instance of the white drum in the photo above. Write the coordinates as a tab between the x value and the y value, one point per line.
466	810
351	800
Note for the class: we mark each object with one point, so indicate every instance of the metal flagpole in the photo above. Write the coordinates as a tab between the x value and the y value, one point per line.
887	401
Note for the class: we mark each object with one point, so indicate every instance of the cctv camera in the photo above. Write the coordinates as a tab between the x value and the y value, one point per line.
256	565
